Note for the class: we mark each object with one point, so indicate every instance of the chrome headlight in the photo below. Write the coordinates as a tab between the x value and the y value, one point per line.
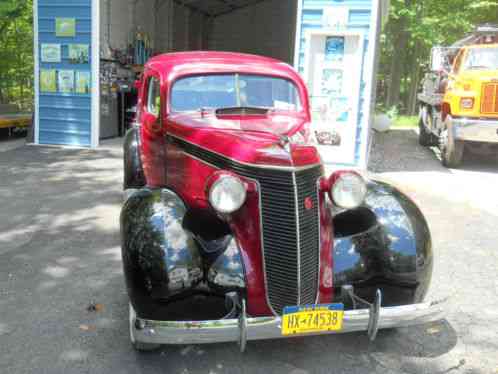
348	190
227	194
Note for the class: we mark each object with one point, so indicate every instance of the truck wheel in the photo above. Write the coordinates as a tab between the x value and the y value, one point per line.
452	150
139	346
425	138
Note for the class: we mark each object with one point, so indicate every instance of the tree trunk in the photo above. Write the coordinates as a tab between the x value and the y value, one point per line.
399	52
414	80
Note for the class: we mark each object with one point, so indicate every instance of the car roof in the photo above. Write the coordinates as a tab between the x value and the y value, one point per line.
184	63
479	46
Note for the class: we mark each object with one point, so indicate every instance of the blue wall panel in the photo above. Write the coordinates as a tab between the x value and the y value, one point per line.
65	118
360	19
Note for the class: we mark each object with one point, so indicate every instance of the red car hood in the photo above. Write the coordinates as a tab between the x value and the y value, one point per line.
260	140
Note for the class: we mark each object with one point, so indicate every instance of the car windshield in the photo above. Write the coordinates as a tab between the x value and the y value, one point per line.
482	58
219	91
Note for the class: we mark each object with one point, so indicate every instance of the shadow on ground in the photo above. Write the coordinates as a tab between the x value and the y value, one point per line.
60	254
398	150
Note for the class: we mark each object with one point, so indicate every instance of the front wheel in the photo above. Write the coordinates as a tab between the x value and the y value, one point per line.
452	150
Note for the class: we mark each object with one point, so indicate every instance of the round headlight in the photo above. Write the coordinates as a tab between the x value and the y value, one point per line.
349	190
227	194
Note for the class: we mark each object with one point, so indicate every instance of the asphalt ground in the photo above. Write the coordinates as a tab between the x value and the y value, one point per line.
64	308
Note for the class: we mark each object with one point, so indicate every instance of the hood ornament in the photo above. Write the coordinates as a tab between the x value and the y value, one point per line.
285	143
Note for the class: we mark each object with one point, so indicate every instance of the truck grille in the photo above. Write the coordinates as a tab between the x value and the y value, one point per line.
489	102
290	232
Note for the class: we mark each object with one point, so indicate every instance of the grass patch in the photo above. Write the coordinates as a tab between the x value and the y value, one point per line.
405	122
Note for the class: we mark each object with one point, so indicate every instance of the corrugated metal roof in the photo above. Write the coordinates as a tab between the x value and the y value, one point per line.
215	8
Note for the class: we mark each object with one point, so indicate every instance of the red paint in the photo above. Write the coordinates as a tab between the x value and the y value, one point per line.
308	203
167	165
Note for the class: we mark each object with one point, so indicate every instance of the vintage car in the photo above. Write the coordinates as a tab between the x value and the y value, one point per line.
231	231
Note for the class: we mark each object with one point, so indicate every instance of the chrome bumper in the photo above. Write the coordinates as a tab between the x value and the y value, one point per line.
231	330
475	130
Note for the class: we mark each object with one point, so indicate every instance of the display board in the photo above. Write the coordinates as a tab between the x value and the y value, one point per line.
336	53
63	68
334	88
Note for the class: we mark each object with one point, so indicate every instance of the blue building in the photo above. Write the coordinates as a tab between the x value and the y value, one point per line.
84	48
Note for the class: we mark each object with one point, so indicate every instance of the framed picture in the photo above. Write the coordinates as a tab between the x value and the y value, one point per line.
334	48
48	80
332	81
83	79
66	81
65	27
50	53
79	53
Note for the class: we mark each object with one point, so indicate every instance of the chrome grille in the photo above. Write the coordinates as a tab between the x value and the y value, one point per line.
290	232
309	226
291	239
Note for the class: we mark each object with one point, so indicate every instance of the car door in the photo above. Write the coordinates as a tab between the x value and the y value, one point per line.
151	123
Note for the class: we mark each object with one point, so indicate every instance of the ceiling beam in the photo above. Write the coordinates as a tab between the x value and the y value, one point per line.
187	4
234	8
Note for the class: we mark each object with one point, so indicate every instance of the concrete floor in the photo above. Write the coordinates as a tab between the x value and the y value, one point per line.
59	253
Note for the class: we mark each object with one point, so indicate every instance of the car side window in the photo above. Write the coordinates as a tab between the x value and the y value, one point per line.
154	96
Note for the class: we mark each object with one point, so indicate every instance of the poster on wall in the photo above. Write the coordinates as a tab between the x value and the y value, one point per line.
48	80
79	53
334	49
332	81
65	27
83	82
66	81
51	53
334	71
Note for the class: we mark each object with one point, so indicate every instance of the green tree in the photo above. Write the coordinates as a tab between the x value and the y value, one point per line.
16	52
414	27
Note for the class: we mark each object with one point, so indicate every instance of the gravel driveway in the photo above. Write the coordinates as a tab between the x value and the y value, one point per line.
60	254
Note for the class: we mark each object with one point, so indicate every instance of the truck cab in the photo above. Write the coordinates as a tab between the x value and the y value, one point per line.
459	102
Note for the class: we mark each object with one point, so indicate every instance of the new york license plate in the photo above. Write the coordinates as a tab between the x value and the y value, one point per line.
312	319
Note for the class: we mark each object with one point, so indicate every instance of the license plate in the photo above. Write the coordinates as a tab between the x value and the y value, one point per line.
312	319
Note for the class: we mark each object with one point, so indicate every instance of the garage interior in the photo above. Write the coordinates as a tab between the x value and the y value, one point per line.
132	31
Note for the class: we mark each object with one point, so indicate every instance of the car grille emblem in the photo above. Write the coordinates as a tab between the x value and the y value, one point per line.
285	143
308	203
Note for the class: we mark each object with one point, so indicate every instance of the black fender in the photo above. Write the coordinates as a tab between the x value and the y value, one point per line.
384	244
227	272
134	176
161	259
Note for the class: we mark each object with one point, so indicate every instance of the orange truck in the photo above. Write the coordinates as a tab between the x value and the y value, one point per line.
459	99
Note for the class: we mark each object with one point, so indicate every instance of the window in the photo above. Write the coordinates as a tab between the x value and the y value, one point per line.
154	96
234	90
481	58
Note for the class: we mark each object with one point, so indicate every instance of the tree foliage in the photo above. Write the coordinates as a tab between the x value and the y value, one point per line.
414	27
16	52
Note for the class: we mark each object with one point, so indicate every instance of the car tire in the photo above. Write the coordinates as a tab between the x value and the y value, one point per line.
139	346
452	150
